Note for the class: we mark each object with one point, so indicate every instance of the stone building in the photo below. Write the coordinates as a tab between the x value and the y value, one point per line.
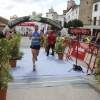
85	11
88	16
51	14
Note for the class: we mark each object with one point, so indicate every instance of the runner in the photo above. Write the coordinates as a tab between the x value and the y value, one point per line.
35	44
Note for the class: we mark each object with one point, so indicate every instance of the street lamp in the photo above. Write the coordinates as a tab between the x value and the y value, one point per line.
41	26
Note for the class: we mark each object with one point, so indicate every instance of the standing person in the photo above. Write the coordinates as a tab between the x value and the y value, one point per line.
27	30
2	35
98	39
9	35
51	42
35	44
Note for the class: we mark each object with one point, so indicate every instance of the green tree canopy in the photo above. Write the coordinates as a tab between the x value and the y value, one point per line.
75	23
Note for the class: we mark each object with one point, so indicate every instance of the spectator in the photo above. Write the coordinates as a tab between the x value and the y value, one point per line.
9	35
2	35
51	42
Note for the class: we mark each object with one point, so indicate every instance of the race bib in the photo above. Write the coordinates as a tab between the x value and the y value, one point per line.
34	40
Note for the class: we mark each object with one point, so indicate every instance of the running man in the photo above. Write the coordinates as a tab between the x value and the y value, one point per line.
35	44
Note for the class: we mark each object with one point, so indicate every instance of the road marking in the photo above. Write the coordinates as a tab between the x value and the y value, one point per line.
48	81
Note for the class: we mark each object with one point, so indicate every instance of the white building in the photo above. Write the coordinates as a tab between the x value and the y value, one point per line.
96	14
95	21
72	13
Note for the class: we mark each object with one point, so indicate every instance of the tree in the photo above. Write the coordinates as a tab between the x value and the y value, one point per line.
70	24
65	24
75	23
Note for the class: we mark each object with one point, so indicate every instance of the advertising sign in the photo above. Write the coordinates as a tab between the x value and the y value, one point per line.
82	49
79	31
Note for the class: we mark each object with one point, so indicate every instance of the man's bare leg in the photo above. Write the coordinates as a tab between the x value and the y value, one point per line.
34	54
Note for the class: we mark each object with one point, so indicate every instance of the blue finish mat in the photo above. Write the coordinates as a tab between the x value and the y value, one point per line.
46	67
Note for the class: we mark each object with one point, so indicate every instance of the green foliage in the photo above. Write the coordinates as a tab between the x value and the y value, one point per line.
15	53
45	42
67	37
5	76
97	70
65	24
70	24
75	23
59	46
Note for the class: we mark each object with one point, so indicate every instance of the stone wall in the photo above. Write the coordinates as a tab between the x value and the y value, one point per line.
86	11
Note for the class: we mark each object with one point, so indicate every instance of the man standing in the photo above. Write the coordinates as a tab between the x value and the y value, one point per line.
35	44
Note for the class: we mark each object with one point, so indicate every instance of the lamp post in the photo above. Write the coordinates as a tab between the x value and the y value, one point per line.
41	26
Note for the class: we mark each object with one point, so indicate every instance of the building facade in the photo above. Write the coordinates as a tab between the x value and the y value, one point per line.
51	14
85	11
88	12
72	13
96	17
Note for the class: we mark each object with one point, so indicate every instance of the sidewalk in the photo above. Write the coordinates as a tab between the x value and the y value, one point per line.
69	92
74	90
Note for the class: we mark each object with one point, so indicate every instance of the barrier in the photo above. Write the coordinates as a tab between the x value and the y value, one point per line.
85	51
69	47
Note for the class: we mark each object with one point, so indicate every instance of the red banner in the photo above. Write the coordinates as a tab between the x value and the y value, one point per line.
26	24
82	49
66	42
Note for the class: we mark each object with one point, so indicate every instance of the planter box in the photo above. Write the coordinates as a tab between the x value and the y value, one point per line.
3	94
60	56
13	63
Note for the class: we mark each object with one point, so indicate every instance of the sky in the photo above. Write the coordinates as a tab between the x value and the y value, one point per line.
22	8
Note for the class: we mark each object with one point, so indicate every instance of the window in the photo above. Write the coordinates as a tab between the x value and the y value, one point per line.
76	11
95	7
73	13
94	22
47	15
69	17
52	15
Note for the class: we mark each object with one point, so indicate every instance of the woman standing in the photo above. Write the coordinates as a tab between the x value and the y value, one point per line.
51	42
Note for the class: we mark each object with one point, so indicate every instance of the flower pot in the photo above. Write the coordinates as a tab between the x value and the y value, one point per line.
60	56
13	63
3	94
46	49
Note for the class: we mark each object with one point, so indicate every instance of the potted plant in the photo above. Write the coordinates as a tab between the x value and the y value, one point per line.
97	70
45	43
41	43
60	48
15	53
5	76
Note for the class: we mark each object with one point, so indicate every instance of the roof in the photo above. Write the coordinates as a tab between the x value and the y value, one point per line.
51	12
96	1
72	7
4	20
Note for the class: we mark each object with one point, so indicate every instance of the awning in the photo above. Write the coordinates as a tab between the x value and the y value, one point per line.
4	20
